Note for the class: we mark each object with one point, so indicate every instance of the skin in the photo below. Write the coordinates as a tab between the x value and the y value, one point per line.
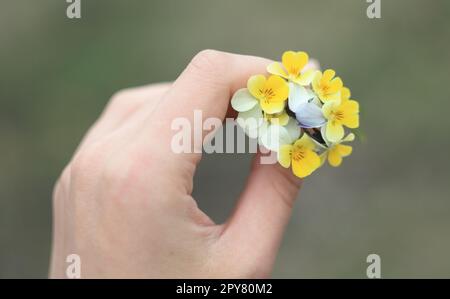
123	203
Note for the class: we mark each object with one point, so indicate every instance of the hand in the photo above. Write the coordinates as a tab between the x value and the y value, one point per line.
124	203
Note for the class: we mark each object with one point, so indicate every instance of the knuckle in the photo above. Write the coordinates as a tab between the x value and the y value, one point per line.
209	61
88	160
120	99
127	166
118	170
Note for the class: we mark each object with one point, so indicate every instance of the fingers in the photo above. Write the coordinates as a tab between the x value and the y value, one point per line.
204	87
259	220
208	83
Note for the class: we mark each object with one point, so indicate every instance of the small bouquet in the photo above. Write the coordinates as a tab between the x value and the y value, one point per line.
299	112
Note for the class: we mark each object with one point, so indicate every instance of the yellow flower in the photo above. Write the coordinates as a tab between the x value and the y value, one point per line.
337	151
291	66
339	114
301	155
271	92
326	86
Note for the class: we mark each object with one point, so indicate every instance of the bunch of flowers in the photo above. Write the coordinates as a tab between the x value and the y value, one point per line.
299	112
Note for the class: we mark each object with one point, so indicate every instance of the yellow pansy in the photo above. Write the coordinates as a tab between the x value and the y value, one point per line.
300	155
339	114
271	92
337	151
291	66
326	86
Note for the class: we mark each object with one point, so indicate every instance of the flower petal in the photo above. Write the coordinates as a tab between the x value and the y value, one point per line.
317	79
294	62
335	85
272	107
310	115
255	84
328	75
334	158
344	150
334	131
345	93
306	77
276	68
306	142
283	118
284	137
328	107
250	121
350	137
306	165
351	121
243	101
270	135
298	95
279	88
323	132
335	97
284	155
350	107
293	130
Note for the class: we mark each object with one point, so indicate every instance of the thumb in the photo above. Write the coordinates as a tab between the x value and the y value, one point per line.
262	213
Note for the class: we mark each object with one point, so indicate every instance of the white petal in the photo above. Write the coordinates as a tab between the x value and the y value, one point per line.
350	137
313	98
250	121
310	116
293	130
270	136
324	135
298	95
285	137
243	101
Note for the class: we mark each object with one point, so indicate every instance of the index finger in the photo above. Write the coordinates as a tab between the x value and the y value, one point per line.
206	86
208	83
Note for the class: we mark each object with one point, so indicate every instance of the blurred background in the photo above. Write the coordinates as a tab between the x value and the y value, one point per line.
391	197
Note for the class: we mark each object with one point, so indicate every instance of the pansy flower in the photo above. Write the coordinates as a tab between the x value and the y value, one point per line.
271	92
326	86
293	67
318	106
301	155
336	151
339	114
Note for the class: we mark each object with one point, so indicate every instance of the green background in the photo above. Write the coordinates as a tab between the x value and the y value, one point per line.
391	197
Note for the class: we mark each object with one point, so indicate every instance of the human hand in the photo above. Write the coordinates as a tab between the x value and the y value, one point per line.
124	203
